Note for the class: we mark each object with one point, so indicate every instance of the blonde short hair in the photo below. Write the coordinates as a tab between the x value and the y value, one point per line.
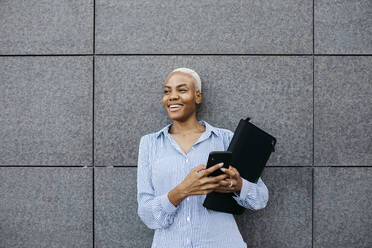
192	73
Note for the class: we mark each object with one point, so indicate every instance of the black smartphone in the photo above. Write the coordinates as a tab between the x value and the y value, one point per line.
216	157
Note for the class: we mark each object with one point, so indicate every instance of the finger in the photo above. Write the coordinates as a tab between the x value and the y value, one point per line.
209	186
222	190
227	171
226	184
232	174
199	168
222	187
211	169
218	178
236	172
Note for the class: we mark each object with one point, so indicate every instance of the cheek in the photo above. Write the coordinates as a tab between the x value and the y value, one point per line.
164	100
189	99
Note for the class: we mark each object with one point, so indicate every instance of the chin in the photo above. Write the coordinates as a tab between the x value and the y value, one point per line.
181	117
176	117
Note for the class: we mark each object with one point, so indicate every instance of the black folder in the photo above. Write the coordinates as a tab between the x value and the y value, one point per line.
251	148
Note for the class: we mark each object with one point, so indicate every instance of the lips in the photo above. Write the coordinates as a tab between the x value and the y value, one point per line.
174	104
175	107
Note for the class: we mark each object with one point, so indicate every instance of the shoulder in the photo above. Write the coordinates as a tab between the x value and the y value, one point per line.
147	138
225	132
225	135
146	146
218	130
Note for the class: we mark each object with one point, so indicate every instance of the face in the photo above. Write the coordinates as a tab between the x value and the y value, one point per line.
179	90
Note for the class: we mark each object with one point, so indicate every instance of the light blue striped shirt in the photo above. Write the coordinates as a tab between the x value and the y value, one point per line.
162	165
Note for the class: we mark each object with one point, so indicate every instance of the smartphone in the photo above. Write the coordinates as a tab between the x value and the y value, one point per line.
216	157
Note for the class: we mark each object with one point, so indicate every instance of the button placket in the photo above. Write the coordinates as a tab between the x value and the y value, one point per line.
175	145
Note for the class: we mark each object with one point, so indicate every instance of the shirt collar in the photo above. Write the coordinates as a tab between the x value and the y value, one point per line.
208	129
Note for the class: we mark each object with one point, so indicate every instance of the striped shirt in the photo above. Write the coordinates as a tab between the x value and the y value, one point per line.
162	165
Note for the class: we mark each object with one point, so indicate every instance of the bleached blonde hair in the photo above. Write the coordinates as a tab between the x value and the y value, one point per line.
192	73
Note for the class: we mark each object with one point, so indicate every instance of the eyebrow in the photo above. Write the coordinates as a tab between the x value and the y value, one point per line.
165	86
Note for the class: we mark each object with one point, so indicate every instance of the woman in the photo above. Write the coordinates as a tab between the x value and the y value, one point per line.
172	179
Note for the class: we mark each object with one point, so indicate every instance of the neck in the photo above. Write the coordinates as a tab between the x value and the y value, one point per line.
185	127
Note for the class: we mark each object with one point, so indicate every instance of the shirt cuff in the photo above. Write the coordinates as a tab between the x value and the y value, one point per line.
166	204
248	189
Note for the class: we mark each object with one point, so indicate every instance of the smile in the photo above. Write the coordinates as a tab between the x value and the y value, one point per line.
174	108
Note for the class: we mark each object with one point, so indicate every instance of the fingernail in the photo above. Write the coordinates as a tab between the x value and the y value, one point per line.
223	169
220	164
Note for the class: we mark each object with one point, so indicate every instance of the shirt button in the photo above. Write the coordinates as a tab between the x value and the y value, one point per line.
188	218
188	198
187	160
188	241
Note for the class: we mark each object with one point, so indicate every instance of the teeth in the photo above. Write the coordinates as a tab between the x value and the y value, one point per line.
175	106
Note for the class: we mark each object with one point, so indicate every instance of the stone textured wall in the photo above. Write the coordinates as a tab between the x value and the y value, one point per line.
80	83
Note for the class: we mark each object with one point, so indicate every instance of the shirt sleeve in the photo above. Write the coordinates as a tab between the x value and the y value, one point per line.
155	211
252	195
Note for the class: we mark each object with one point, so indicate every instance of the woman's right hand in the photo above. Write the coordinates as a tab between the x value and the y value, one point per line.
197	181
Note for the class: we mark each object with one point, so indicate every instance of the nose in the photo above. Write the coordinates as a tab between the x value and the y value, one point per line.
173	95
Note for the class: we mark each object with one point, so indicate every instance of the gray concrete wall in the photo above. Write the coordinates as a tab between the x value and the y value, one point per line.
80	83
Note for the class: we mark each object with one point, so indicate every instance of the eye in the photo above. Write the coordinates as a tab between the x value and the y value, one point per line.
183	90
166	91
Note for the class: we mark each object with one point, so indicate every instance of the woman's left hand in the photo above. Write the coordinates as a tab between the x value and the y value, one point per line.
234	176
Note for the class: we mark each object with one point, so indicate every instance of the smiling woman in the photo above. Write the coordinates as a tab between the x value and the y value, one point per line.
182	91
172	168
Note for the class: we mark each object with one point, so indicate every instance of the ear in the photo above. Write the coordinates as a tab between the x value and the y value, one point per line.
199	97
